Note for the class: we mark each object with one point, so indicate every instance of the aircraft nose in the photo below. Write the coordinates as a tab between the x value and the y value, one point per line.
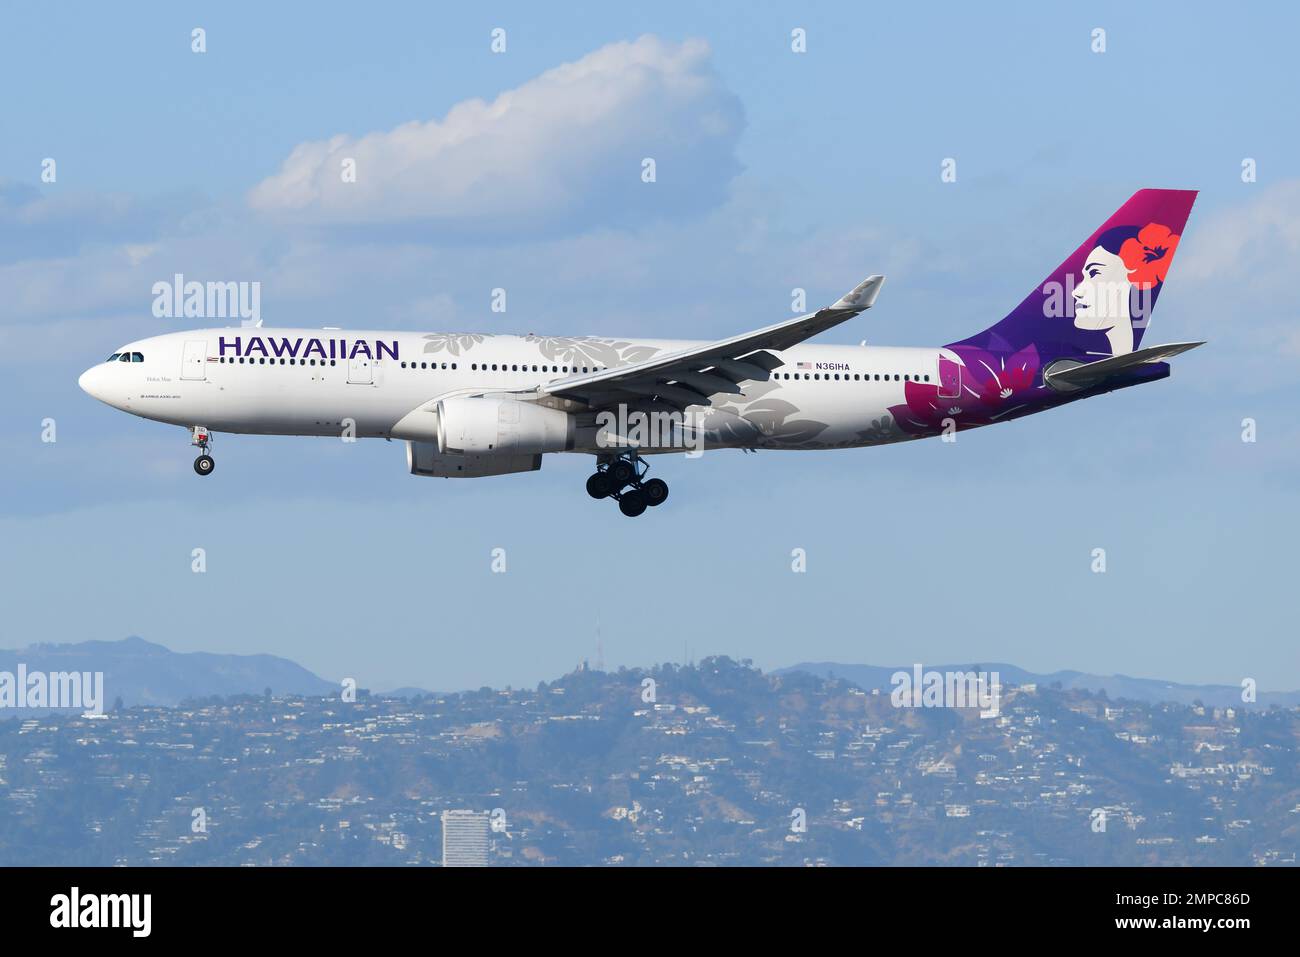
92	382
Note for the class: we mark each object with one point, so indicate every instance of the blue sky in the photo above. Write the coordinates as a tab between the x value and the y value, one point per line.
776	170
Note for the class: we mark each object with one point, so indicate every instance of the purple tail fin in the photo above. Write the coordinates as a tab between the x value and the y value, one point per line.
1099	301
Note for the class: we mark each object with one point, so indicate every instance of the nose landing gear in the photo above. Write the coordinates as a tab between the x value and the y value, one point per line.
622	478
201	438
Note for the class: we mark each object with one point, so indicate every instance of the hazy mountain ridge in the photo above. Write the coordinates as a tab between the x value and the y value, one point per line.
145	673
1149	690
142	672
715	763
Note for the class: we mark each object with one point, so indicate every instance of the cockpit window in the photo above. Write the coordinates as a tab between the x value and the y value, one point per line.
137	357
113	357
126	357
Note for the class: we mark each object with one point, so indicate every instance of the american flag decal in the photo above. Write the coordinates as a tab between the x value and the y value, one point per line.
804	365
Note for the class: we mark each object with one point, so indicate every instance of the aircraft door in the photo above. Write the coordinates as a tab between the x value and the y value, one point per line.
194	361
949	378
361	370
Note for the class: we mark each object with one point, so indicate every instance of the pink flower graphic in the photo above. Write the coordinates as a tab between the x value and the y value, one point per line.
992	386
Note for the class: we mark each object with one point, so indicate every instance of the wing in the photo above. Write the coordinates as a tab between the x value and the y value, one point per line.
690	376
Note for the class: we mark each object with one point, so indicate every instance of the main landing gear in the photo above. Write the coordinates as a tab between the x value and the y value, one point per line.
622	478
202	439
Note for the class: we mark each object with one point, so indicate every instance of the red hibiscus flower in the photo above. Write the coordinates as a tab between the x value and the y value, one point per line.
1147	257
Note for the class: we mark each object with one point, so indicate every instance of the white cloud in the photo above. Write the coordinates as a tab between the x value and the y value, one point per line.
561	152
1235	289
1257	241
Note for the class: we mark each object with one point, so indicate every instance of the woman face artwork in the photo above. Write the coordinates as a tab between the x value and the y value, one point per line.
1101	299
1119	281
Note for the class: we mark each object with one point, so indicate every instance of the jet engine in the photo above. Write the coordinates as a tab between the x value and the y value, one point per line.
494	426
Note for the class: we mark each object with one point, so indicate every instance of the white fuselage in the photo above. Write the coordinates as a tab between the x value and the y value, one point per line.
322	379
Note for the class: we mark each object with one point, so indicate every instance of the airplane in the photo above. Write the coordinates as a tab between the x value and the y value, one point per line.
470	405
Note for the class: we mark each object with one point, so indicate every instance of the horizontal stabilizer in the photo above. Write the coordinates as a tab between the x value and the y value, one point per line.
1069	376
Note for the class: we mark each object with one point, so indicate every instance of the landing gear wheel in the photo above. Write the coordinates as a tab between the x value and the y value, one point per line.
656	492
621	472
204	464
599	485
632	503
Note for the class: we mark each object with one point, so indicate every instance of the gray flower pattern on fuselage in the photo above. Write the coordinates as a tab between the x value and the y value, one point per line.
454	342
771	416
591	350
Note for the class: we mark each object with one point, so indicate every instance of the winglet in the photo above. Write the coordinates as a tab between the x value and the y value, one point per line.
863	295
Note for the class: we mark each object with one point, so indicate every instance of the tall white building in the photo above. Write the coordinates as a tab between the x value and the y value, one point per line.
465	838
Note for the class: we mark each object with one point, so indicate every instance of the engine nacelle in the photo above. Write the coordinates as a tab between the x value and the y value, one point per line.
423	458
487	426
